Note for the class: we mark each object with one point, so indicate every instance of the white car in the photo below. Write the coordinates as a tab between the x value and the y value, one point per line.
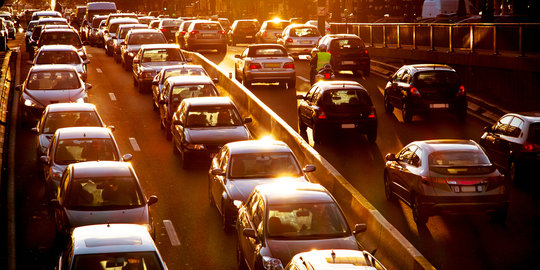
63	55
316	24
299	39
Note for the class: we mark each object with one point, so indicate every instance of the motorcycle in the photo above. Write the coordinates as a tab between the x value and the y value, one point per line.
325	74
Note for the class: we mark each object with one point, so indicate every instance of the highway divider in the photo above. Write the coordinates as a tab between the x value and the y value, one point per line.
381	237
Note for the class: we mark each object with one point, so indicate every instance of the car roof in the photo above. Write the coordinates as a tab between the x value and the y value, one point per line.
182	66
257	146
83	132
101	169
53	67
208	101
430	67
268	45
190	79
111	238
46	12
123	20
300	192
68	107
448	145
58	47
533	116
59	30
160	46
326	85
328	259
342	36
52	19
144	31
132	25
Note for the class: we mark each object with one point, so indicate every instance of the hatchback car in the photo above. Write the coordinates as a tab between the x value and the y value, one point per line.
78	144
205	35
331	106
348	53
64	55
265	63
61	115
169	27
425	87
299	39
135	38
279	220
182	31
243	31
46	84
334	259
240	166
440	176
177	89
513	144
149	61
100	192
110	32
270	30
121	33
201	126
115	246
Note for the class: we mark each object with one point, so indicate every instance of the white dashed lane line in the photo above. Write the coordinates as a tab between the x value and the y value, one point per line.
171	232
134	144
112	96
89	55
99	70
302	78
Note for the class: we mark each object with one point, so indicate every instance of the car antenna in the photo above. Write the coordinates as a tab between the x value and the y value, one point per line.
333	256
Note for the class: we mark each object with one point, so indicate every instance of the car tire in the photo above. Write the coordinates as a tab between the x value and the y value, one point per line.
406	112
372	136
387	189
291	84
419	215
240	261
388	107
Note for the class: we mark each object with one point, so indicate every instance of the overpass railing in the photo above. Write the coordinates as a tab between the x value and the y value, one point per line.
519	39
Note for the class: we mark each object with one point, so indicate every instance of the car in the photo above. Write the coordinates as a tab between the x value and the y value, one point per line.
121	33
93	29
78	144
170	71
150	59
178	88
201	126
328	259
3	36
61	54
265	63
425	87
280	220
146	19
513	144
60	115
316	24
240	166
299	39
113	16
331	106
78	17
204	34
62	36
47	84
109	34
225	23
154	24
269	31
135	38
182	30
112	246
348	53
28	33
169	27
45	14
445	176
10	28
99	192
243	31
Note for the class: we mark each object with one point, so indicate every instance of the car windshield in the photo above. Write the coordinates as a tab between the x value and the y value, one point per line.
58	57
103	192
218	116
147	38
162	55
63	38
85	149
53	80
460	162
168	23
305	220
248	25
346	44
434	78
304	32
56	120
207	26
264	165
184	72
267	52
179	92
340	97
126	260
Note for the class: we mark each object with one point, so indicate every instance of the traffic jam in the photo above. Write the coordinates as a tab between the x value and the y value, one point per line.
106	212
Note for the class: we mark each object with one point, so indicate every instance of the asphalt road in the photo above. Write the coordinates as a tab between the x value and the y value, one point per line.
449	242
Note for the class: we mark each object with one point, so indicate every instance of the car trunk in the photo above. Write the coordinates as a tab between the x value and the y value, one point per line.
346	104
437	86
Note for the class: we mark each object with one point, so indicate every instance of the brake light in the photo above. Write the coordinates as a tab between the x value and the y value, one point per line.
372	113
289	40
415	91
321	114
222	32
366	52
163	30
265	34
194	32
334	53
327	75
461	91
183	32
254	65
288	65
531	147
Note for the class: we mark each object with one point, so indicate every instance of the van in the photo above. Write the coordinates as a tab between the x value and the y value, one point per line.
99	8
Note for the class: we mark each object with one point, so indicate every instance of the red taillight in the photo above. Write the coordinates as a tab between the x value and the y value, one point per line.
163	30
193	32
415	91
254	65
288	65
327	75
372	113
531	147
461	91
265	34
334	53
366	52
289	40
222	32
321	114
183	32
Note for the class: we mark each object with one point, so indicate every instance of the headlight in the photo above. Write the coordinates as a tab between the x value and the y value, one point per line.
272	263
195	146
29	103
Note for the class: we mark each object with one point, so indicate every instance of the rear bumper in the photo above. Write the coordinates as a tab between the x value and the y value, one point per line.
424	105
348	125
299	50
473	204
207	43
271	76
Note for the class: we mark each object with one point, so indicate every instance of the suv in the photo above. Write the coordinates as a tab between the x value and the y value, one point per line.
513	144
206	35
348	53
425	87
337	106
243	31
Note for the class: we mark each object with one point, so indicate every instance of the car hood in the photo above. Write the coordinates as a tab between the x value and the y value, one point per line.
46	97
217	135
240	189
80	218
286	249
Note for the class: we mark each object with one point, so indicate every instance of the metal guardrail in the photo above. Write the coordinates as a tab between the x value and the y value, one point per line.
518	39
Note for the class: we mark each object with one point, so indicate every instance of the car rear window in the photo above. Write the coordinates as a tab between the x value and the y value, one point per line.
345	97
172	23
207	26
429	78
277	25
346	44
247	24
161	55
304	32
460	162
261	52
184	72
534	133
66	38
147	38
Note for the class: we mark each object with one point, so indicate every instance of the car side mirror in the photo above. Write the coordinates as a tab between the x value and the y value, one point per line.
127	157
309	168
215	80
112	128
300	97
217	171
86	61
44	160
153	199
358	228
248	120
390	157
88	86
54	203
249	232
237	56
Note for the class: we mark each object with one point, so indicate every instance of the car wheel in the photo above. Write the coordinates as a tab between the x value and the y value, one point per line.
372	136
246	83
291	84
388	107
499	215
419	215
387	189
240	261
406	112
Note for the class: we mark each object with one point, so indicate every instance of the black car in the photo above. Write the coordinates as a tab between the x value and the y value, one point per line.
337	106
243	31
425	87
348	53
513	144
169	27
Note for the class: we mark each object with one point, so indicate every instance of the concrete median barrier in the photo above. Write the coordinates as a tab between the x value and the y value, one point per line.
390	247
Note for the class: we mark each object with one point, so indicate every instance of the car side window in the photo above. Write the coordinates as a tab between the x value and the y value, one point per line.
406	78
406	154
416	158
64	184
245	53
309	94
514	129
503	123
166	91
181	113
316	96
224	160
398	75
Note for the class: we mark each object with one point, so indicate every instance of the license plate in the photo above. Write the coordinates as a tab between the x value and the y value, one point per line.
438	105
207	35
305	42
468	188
272	65
249	36
347	125
347	62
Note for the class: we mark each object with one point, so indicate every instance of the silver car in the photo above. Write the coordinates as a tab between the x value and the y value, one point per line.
93	33
61	54
203	34
299	39
135	38
121	34
110	33
265	63
270	30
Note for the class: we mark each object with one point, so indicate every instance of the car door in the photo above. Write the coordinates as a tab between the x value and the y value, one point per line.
256	222
177	131
402	87
493	141
242	63
511	143
306	106
244	222
411	173
398	172
392	88
219	181
59	212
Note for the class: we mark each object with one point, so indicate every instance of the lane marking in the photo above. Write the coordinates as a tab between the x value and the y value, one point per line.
99	70
89	55
112	96
302	78
134	144
173	237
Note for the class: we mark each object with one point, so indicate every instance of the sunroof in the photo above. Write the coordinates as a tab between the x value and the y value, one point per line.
102	242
